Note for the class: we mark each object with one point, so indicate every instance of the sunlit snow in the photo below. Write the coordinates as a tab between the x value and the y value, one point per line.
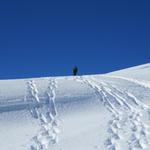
96	112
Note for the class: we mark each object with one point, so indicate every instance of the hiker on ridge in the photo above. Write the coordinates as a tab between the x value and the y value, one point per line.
75	70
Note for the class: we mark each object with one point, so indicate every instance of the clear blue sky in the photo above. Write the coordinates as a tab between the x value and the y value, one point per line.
47	38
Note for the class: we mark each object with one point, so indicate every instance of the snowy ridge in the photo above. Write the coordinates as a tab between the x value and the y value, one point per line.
106	112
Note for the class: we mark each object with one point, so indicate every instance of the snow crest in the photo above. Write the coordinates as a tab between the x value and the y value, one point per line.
102	112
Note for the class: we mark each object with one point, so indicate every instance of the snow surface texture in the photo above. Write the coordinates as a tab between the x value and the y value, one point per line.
98	112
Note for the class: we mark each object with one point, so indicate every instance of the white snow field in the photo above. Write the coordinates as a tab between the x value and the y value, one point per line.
97	112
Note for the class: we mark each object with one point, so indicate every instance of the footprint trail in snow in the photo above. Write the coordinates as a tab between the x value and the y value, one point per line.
46	115
127	122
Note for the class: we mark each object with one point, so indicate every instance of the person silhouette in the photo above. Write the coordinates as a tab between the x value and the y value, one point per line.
75	70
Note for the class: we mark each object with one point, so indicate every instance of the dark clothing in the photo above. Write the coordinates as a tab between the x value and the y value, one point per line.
74	71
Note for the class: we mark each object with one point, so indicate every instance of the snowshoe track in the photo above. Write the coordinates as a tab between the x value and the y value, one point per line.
46	115
127	112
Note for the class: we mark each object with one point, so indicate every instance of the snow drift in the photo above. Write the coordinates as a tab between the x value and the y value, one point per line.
97	112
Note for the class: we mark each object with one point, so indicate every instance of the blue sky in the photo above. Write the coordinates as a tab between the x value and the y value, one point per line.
47	38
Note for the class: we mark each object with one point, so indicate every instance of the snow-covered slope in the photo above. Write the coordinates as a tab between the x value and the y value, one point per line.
99	112
141	72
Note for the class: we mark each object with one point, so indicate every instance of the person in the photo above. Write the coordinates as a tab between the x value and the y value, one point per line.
75	70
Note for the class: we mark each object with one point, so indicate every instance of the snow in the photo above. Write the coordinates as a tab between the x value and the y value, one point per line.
96	112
